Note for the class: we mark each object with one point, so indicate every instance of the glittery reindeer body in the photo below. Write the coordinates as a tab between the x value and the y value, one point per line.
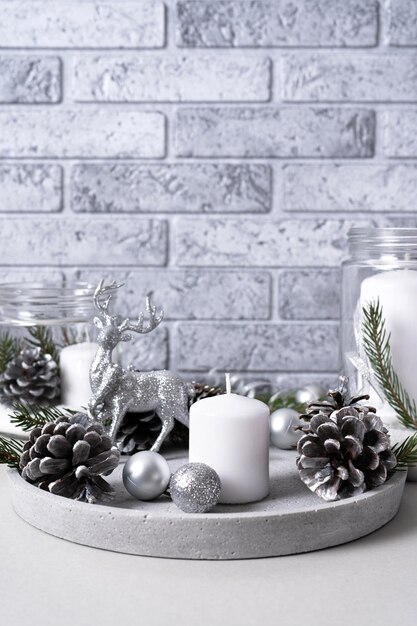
117	390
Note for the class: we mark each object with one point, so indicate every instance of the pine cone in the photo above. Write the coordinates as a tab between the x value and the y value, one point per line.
339	398
205	391
68	457
345	453
140	430
32	376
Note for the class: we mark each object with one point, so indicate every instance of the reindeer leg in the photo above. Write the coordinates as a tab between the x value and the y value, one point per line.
183	415
118	411
167	426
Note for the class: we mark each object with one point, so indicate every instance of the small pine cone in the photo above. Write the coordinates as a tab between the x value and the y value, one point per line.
31	377
205	391
68	457
339	398
138	432
345	453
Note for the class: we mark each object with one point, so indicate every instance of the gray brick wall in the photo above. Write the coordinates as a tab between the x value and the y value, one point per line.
215	151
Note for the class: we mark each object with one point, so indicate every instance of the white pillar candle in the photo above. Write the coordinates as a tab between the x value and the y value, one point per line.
230	433
397	294
74	363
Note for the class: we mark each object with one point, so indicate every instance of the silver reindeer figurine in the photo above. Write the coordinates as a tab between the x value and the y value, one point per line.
117	390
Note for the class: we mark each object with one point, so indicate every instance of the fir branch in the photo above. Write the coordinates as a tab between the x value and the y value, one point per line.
406	453
34	416
42	338
69	336
376	342
9	347
10	451
286	401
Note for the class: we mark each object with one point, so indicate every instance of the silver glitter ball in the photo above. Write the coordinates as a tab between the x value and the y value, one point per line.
195	488
282	433
146	475
310	393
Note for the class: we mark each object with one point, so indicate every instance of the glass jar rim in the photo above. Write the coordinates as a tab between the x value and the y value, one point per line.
45	303
388	244
385	235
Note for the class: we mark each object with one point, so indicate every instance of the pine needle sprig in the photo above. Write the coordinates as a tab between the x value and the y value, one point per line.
376	342
406	453
286	401
35	416
10	451
9	347
42	338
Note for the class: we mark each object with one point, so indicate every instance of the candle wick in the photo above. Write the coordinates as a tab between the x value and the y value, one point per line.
228	383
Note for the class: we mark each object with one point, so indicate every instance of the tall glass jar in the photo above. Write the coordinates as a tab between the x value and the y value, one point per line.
46	345
382	267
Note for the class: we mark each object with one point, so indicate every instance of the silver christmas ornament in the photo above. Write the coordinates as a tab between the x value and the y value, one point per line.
116	390
146	475
282	424
309	393
195	488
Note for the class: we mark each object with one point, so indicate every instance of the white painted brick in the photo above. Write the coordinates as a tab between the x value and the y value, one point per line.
297	381
402	23
78	24
400	138
309	294
70	241
345	188
190	294
30	188
81	133
30	80
32	275
147	352
234	23
128	78
205	188
254	242
258	347
274	132
272	382
356	77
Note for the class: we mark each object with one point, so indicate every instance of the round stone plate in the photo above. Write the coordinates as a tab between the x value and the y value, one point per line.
289	521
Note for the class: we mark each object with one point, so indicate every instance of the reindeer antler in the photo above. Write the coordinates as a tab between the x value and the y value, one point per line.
154	319
102	306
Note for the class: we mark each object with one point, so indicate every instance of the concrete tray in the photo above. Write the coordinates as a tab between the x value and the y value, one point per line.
291	520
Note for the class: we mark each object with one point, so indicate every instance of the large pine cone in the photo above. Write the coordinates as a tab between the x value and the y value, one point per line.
31	377
345	453
68	457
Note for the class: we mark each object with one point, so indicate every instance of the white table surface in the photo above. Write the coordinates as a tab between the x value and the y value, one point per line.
49	582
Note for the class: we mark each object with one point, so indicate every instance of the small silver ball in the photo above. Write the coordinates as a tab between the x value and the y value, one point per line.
195	488
146	475
310	393
282	423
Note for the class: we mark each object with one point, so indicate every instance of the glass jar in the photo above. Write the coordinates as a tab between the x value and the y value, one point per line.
46	345
382	267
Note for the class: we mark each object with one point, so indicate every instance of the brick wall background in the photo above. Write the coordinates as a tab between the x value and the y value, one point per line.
216	151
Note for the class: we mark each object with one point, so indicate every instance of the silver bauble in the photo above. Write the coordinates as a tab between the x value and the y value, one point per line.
310	393
146	475
195	488
282	423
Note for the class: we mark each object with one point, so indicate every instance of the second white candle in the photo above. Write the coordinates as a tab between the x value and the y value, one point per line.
230	433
